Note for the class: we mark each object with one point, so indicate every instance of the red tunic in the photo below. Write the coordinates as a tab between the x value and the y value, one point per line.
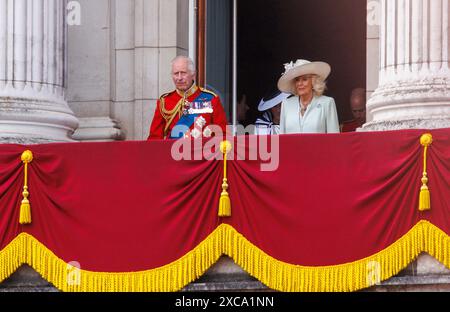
350	125
217	117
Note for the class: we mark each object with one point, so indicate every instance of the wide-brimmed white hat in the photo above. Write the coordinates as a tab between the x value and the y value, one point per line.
272	100
301	68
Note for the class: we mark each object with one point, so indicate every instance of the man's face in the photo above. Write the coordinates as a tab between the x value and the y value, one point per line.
358	107
181	75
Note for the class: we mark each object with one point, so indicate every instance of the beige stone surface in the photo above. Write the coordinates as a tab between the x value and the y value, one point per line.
427	265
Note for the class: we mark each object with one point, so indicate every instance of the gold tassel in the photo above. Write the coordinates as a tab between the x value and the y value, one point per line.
225	203
25	208
424	197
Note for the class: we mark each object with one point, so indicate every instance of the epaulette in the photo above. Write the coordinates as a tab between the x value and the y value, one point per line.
207	91
165	94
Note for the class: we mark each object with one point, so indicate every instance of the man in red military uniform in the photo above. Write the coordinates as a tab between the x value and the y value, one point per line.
358	107
188	111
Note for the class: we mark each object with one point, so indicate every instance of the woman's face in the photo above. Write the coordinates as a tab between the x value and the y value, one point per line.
276	111
304	85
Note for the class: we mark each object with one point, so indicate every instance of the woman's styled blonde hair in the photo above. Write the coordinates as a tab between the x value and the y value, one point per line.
319	85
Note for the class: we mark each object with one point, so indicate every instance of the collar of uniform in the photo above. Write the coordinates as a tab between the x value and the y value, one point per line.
189	92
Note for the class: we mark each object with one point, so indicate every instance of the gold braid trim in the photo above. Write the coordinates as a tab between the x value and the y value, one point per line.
278	275
169	114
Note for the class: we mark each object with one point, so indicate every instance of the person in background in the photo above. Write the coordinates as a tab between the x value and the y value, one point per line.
242	109
358	107
243	127
309	111
270	106
189	108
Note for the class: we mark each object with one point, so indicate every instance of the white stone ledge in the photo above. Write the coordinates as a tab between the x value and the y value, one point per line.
387	125
98	129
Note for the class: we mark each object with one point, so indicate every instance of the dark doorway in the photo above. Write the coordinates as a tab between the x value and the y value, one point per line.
274	32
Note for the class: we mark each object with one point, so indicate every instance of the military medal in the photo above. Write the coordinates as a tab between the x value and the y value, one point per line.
186	108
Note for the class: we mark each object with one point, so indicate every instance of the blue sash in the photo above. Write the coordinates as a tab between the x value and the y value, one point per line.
187	120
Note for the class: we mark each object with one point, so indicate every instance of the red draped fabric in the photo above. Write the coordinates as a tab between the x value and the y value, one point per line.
112	207
338	198
129	206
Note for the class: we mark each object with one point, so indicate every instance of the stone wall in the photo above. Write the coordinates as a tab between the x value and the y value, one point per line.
119	59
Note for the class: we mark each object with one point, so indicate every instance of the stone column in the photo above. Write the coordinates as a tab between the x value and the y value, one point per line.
414	77
32	72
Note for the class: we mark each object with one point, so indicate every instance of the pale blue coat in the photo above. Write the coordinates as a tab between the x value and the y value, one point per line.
320	116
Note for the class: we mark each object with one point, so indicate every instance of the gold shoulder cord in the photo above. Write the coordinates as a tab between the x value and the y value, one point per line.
169	115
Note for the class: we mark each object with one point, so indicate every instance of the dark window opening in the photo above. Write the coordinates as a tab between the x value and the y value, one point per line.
274	32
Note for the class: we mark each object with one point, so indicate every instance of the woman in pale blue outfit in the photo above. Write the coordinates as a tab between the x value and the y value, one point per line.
309	111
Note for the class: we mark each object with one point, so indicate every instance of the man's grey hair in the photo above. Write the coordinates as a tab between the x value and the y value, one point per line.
190	62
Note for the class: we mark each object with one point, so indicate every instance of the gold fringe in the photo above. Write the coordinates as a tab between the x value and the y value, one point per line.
171	277
278	275
360	274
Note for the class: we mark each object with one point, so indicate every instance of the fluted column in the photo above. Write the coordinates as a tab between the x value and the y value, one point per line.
414	83
32	72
